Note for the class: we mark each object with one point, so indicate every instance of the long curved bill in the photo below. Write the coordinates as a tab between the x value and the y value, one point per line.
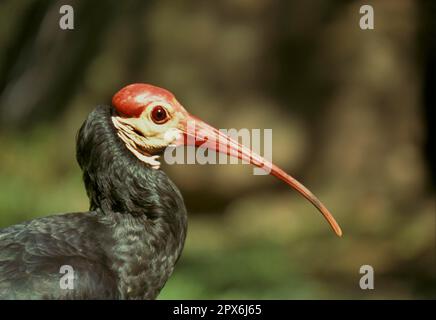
198	133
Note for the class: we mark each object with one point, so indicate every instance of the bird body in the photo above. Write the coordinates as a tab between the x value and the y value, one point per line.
125	247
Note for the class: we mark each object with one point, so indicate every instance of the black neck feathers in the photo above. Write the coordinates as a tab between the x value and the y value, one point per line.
117	181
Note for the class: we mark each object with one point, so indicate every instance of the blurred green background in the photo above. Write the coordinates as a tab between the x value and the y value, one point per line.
349	110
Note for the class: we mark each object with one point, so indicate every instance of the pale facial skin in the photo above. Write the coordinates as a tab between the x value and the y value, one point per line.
147	135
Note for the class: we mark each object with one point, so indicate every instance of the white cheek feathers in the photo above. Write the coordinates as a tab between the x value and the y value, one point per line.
152	161
134	143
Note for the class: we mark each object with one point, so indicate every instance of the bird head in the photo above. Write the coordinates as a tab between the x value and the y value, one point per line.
148	119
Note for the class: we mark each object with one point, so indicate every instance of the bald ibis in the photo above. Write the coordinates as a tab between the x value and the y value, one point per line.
127	245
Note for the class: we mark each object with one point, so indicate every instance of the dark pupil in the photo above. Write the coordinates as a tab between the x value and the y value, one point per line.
159	114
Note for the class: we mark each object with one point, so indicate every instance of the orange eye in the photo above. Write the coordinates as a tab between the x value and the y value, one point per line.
159	115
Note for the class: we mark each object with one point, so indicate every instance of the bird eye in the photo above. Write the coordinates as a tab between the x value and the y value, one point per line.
159	115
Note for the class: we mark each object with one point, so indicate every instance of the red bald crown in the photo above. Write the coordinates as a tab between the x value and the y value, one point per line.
134	98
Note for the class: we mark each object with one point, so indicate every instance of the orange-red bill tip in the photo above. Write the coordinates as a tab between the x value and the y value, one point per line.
335	226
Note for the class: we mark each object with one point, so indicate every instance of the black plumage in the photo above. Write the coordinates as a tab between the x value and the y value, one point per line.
125	247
